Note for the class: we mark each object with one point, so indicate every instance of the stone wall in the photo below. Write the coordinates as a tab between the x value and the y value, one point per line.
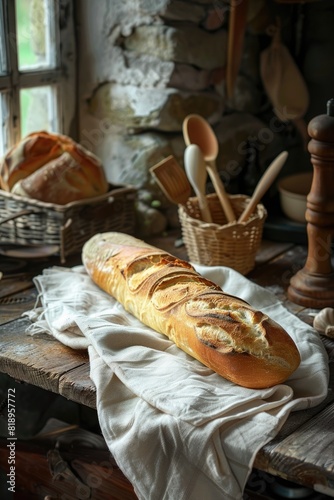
144	65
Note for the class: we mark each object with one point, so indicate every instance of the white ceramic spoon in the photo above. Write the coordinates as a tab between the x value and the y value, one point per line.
196	172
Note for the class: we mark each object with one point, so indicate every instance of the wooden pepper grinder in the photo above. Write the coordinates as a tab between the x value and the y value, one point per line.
313	286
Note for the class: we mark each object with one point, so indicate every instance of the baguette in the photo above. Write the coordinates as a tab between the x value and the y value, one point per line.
222	331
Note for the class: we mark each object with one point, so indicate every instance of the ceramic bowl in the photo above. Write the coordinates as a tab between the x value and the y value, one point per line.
293	191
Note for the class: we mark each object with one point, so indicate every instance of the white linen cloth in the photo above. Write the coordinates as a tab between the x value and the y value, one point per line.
176	429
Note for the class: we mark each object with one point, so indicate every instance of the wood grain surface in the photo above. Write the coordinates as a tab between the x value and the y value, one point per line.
302	452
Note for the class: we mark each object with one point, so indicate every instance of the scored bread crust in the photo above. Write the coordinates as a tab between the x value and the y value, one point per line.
222	331
60	181
52	168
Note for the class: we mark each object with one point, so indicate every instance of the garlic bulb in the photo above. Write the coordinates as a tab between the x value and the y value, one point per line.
324	322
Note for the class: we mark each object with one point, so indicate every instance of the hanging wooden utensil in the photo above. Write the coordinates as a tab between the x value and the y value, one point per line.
236	34
282	79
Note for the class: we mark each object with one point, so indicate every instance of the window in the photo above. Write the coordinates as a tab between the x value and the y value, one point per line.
37	68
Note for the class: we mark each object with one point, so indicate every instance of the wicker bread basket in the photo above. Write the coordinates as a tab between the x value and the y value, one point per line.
221	243
25	221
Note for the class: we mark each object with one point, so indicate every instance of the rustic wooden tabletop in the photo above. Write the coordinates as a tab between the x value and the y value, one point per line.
302	452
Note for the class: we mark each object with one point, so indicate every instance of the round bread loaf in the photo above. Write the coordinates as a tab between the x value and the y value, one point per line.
52	168
60	181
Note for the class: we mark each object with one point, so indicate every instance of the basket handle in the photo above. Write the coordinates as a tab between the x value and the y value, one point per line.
18	214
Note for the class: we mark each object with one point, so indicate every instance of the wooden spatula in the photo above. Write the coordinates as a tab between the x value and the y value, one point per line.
172	180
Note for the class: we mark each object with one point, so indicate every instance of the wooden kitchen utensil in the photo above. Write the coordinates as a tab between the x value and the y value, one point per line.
282	80
196	172
196	130
172	180
264	184
236	32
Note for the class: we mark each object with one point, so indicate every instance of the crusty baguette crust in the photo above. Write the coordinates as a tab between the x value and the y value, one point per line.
167	294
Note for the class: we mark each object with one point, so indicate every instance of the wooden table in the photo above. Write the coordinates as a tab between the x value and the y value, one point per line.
303	452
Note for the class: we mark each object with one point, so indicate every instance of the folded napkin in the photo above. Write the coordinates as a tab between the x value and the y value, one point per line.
175	428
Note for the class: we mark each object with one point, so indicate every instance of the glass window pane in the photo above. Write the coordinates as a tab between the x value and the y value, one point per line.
3	58
35	34
2	145
4	120
38	109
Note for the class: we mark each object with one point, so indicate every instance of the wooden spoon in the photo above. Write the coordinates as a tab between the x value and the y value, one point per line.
196	172
196	130
172	180
264	184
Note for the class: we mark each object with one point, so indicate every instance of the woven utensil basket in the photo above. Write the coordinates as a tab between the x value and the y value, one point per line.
222	243
25	221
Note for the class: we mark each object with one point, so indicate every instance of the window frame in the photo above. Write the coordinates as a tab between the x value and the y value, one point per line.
63	76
